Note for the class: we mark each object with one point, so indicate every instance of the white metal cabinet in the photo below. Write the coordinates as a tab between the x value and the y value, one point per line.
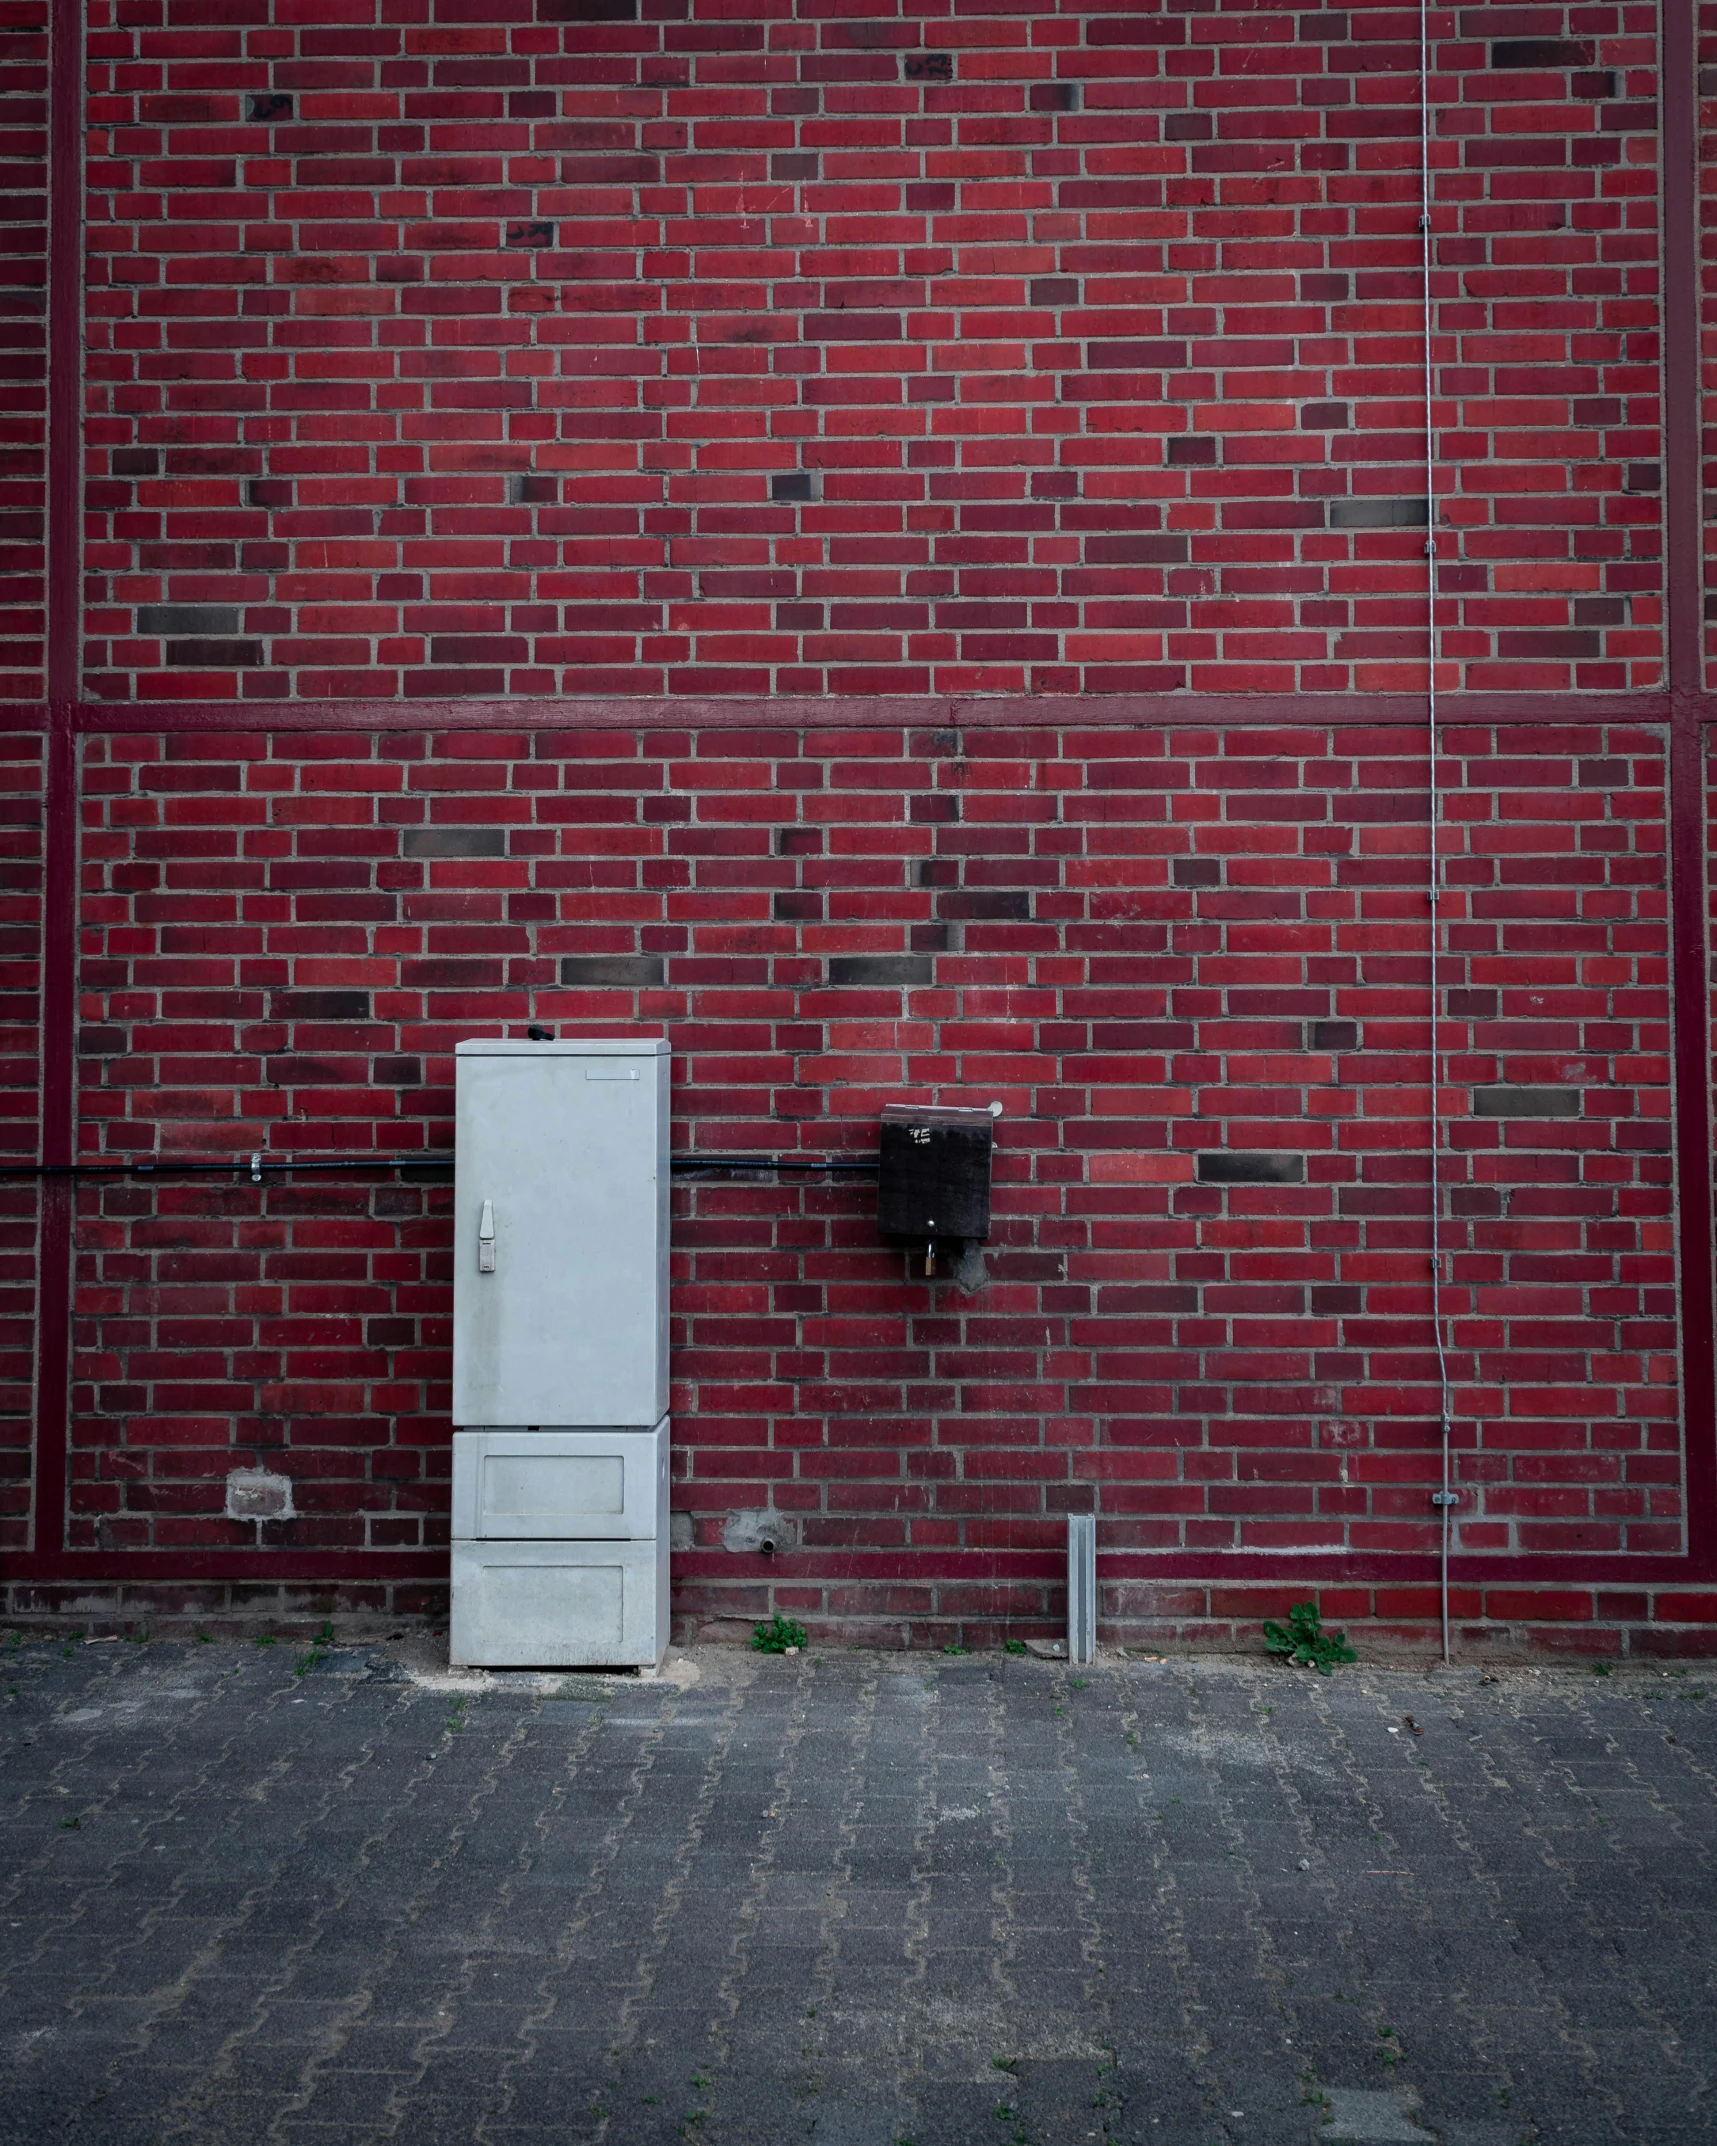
560	1354
560	1485
558	1605
560	1220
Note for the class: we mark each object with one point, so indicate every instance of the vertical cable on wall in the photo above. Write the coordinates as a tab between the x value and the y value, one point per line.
1445	1495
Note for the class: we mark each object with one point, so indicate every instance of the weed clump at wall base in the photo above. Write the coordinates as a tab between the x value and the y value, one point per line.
1304	1642
779	1636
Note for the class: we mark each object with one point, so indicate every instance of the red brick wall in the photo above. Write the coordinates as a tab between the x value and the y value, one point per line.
1706	24
686	365
475	364
1150	945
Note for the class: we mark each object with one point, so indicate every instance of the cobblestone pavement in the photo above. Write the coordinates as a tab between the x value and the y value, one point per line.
254	1894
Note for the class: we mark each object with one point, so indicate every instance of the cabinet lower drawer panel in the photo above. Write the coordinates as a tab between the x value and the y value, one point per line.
539	1486
559	1605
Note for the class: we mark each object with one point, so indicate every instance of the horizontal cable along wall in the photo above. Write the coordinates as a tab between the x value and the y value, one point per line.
254	1166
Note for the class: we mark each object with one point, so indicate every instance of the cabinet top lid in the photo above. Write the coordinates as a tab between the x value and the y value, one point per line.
565	1047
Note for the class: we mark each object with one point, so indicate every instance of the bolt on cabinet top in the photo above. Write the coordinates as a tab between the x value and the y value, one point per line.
560	1218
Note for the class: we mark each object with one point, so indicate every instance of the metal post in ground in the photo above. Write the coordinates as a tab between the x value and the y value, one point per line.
1081	1587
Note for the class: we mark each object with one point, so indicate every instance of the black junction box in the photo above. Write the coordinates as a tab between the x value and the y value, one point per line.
934	1181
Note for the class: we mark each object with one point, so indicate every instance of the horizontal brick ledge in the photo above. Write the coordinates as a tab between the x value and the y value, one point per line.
841	711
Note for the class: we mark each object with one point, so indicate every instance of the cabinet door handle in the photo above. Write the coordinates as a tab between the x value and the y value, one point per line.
486	1239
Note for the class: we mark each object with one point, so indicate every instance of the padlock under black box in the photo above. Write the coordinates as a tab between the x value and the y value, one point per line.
934	1182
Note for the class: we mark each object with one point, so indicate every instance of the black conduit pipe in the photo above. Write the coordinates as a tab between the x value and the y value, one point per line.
253	1166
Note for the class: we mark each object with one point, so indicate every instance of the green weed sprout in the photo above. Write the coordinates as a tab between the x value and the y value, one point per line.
1304	1642
779	1636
